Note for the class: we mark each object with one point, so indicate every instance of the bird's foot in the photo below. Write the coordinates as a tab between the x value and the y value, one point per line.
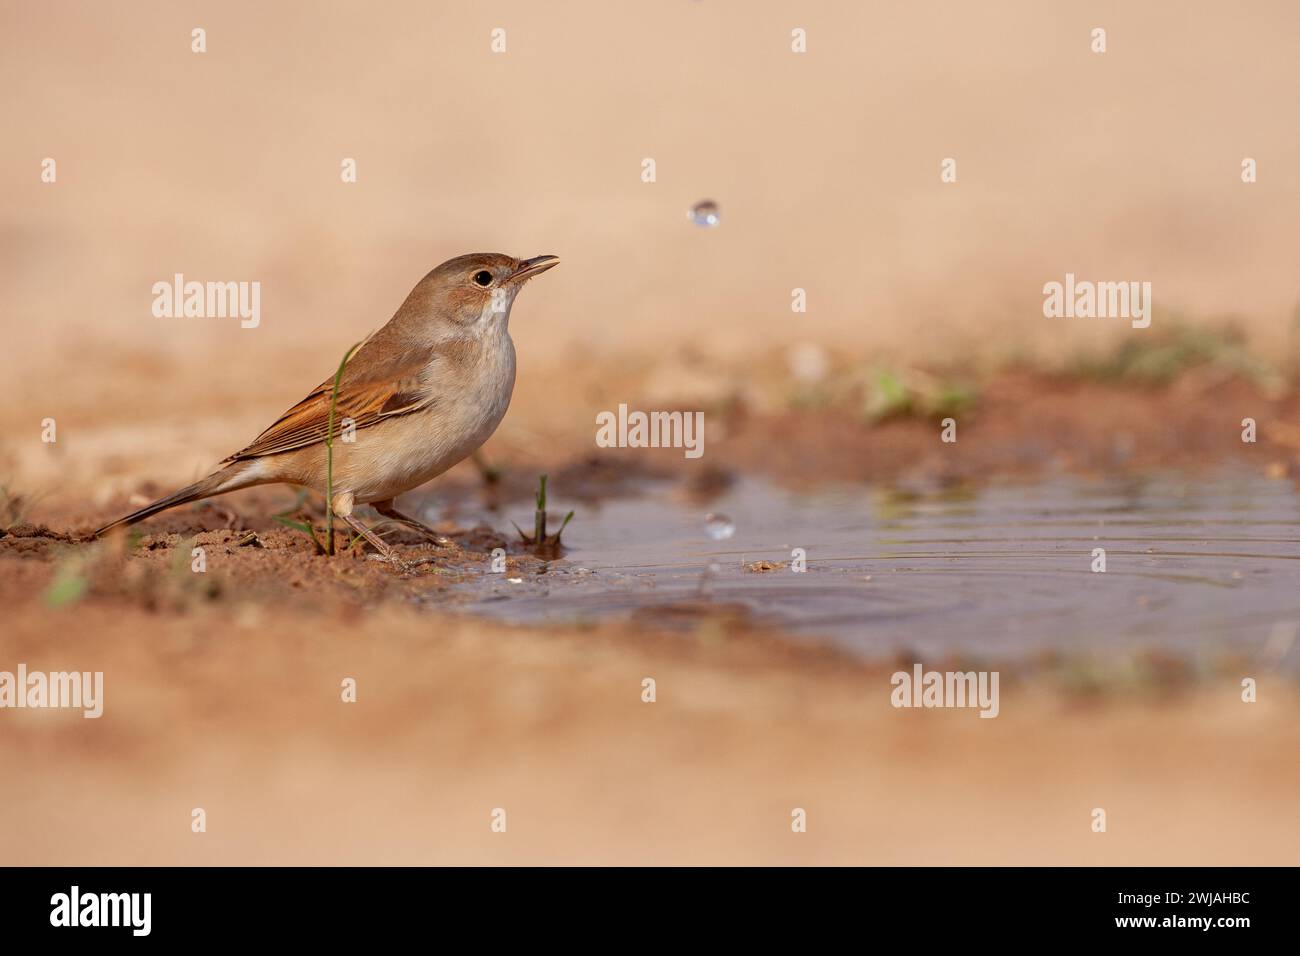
392	558
386	509
386	551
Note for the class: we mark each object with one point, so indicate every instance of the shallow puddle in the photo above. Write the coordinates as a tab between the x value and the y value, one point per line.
991	572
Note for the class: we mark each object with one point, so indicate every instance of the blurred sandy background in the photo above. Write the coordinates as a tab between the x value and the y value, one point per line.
457	719
225	166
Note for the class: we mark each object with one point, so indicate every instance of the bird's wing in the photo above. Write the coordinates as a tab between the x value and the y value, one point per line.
367	397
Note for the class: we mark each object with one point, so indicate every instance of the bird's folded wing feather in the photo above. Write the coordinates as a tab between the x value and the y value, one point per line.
366	401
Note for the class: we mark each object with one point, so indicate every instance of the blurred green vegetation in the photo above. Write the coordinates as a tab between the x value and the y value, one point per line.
1155	357
69	583
893	393
1160	355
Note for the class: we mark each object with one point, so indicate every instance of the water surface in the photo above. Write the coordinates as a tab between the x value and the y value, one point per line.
996	571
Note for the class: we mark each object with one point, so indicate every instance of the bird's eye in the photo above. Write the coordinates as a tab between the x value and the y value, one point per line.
483	278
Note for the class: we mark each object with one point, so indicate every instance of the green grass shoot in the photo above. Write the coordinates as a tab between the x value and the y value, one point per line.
329	453
541	542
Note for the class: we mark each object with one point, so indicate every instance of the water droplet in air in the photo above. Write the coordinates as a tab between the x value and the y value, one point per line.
705	213
719	527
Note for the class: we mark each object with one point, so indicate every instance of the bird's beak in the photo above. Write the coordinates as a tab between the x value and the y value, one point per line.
535	266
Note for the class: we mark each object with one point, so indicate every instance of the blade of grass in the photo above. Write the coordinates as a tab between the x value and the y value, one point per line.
539	519
329	452
303	526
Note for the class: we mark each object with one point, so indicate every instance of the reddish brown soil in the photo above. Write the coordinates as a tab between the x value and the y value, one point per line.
222	690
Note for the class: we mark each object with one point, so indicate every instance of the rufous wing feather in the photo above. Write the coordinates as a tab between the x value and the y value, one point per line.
364	402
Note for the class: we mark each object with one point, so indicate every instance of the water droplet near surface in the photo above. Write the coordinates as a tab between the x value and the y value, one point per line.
705	213
719	527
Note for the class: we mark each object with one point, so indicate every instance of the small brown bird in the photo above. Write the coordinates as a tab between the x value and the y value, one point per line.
422	393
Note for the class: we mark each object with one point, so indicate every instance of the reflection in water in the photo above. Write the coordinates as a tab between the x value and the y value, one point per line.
999	571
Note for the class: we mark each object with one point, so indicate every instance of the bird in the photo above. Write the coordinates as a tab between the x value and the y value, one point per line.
415	397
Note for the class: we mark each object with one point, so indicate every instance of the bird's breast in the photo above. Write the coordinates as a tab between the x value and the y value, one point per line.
468	402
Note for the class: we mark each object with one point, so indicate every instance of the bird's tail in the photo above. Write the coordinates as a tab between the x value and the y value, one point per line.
226	479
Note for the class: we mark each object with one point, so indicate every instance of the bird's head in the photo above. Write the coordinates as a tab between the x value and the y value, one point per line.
477	290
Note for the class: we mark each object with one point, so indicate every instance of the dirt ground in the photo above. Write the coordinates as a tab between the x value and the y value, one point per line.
758	420
236	710
223	689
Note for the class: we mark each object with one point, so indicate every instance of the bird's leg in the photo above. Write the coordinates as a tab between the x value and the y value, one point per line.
386	509
227	514
342	507
386	550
